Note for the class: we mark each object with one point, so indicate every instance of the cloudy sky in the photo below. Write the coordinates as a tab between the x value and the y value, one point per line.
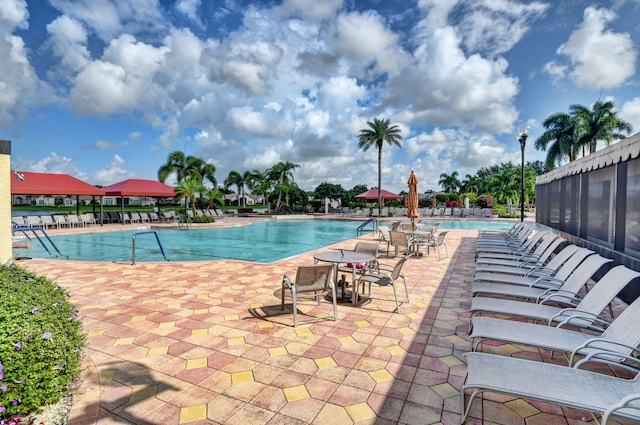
105	89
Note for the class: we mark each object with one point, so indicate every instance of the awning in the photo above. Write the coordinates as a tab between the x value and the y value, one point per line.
139	187
372	194
51	184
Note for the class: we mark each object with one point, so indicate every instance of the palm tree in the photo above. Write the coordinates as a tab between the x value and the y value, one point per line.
259	184
281	174
472	184
188	188
378	132
214	195
599	123
182	165
240	180
559	139
449	183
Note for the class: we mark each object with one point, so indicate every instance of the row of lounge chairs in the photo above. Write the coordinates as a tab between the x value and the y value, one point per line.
424	212
538	276
87	219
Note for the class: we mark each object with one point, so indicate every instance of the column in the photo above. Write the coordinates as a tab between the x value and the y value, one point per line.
5	201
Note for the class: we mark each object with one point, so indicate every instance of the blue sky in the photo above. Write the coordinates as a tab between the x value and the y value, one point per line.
104	90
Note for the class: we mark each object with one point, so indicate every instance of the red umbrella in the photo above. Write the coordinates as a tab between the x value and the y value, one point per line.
412	207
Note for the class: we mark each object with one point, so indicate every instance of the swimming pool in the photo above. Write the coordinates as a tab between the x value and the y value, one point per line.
265	241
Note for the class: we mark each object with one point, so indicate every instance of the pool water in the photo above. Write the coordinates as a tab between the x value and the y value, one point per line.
266	241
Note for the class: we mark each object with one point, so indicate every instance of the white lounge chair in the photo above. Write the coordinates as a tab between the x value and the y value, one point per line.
569	290
547	278
589	308
537	258
622	335
551	383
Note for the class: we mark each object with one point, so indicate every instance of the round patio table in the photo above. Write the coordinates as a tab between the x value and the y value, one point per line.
340	257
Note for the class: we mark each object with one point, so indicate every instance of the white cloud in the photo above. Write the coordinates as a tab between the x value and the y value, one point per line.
364	39
443	87
13	14
68	40
113	172
600	57
630	112
56	164
310	9
190	9
111	18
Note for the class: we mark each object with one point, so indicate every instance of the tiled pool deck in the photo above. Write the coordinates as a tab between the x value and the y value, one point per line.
180	343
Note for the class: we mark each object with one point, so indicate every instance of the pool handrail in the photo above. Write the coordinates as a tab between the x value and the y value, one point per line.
133	244
373	221
18	228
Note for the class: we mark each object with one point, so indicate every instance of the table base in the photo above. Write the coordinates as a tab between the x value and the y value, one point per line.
346	297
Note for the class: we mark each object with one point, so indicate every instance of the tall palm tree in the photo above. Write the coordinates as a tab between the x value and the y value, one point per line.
281	174
449	183
559	139
472	184
239	180
182	165
600	122
378	132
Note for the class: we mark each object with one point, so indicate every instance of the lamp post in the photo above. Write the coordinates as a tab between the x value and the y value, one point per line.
523	133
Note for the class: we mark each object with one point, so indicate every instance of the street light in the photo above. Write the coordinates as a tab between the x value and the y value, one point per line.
523	133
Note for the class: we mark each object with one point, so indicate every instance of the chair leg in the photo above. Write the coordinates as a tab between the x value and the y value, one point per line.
395	296
295	307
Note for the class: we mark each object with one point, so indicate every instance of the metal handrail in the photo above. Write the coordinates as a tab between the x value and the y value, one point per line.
34	230
133	245
372	220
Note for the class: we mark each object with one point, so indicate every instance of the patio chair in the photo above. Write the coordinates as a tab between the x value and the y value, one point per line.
621	336
33	221
569	289
551	277
367	248
400	240
18	220
47	221
551	383
385	237
310	279
584	314
386	276
437	242
87	219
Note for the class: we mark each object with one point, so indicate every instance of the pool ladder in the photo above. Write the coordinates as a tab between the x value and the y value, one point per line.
361	229
35	230
133	244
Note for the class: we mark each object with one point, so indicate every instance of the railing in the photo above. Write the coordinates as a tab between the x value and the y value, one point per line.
133	245
362	228
35	230
184	221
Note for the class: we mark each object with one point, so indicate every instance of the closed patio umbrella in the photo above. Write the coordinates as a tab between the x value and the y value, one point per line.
412	204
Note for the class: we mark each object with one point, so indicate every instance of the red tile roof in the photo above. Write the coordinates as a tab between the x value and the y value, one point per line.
51	184
139	187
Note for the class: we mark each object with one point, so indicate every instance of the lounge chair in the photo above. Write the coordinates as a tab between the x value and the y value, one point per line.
531	269
386	276
311	279
622	335
47	221
556	384
568	290
525	243
87	219
538	258
33	221
547	279
59	220
586	312
18	220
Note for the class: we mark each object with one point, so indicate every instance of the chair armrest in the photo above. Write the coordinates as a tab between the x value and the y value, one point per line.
287	282
603	345
597	324
611	358
559	296
622	404
578	317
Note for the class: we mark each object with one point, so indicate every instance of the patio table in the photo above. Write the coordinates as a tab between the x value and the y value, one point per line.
340	257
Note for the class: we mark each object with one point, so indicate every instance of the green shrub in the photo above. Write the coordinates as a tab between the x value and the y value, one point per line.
41	341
